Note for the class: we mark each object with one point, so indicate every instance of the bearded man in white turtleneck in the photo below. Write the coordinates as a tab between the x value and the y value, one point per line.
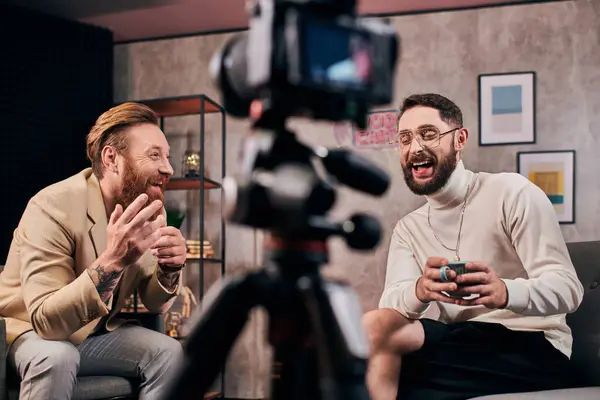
506	332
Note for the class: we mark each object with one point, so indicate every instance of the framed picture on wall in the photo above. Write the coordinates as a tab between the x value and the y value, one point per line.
553	172
507	108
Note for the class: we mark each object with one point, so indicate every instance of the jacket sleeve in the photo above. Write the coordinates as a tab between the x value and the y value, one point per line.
402	273
153	294
58	302
553	286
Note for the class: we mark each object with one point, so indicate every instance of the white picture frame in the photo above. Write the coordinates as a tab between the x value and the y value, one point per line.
507	108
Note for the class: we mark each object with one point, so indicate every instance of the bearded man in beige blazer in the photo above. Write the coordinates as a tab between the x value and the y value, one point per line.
82	246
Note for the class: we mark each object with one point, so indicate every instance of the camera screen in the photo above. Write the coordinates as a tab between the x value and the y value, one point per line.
336	55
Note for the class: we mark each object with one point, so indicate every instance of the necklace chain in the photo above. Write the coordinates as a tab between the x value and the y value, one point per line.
462	214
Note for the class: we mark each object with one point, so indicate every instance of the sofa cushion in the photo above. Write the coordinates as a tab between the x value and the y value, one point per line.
585	322
103	387
592	393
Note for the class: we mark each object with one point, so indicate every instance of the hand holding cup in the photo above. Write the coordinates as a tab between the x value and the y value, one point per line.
430	286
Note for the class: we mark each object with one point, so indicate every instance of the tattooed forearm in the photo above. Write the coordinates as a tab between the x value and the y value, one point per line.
105	279
168	278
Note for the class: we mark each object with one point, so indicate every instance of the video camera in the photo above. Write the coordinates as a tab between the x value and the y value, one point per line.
313	59
308	58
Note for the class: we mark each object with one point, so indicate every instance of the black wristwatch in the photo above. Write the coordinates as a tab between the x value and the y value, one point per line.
171	269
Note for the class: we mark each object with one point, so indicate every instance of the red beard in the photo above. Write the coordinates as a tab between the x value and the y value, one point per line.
135	184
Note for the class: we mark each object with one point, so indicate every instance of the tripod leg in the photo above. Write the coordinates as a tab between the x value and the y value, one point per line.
294	360
213	336
335	316
347	311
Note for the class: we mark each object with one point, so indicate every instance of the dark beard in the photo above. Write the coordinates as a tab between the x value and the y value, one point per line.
133	185
442	171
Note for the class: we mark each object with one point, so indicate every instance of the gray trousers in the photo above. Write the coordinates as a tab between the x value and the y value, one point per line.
48	369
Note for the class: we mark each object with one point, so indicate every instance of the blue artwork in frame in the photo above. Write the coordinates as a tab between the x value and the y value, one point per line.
507	108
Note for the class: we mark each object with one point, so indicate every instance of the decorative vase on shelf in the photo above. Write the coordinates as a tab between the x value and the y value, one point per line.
175	217
190	165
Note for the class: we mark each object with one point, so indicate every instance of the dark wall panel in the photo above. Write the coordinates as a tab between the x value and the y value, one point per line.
55	80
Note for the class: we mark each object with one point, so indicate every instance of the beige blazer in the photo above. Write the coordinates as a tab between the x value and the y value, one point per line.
44	285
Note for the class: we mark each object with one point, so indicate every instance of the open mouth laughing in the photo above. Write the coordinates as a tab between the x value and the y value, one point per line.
159	184
422	169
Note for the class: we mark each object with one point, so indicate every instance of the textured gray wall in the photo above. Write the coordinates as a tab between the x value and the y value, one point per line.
442	52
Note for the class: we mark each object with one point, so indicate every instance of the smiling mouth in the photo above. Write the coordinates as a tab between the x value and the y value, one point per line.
421	165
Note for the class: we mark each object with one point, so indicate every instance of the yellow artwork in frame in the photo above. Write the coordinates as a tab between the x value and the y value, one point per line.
554	173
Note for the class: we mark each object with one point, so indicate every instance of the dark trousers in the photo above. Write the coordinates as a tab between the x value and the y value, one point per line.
470	359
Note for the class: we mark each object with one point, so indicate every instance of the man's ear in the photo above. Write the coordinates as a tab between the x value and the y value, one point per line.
460	139
109	159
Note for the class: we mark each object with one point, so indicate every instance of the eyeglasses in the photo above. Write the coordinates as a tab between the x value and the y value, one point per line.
428	136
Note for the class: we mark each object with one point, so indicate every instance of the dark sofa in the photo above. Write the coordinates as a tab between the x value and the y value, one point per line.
585	325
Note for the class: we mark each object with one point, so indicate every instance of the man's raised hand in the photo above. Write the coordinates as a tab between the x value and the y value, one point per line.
130	233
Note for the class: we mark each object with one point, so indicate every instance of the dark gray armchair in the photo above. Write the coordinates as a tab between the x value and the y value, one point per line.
585	325
88	387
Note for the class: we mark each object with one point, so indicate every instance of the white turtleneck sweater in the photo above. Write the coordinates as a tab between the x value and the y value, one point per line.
510	224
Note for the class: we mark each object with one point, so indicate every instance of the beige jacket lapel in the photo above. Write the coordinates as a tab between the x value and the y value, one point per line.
97	220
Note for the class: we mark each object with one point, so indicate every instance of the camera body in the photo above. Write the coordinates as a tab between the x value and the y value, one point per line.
308	58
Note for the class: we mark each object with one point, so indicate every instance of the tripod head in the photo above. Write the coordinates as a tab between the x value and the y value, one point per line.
280	189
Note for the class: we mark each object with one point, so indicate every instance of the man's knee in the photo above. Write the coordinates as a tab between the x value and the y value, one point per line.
380	324
60	355
55	358
168	351
388	330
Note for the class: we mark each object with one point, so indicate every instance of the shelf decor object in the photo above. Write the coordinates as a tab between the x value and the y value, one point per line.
190	165
180	312
173	322
193	250
553	172
507	108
